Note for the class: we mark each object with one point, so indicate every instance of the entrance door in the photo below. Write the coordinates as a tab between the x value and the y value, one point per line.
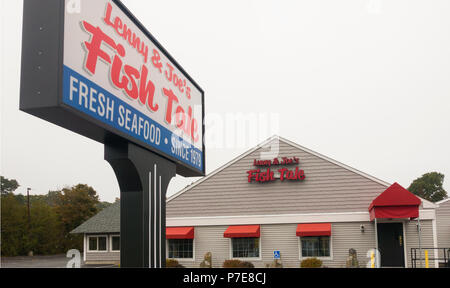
390	244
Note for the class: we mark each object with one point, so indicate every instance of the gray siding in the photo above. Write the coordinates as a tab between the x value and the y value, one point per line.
282	237
348	235
102	257
209	239
443	226
327	188
412	240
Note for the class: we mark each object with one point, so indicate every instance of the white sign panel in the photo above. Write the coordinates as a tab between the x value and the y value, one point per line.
115	73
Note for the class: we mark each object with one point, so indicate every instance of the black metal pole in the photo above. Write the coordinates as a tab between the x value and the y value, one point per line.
143	179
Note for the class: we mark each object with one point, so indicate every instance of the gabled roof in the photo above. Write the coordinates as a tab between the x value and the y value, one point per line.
334	162
425	203
395	195
265	144
106	221
443	201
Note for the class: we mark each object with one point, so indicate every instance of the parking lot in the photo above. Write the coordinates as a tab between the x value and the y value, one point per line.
54	261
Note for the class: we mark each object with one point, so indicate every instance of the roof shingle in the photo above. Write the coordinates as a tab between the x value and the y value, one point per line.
106	221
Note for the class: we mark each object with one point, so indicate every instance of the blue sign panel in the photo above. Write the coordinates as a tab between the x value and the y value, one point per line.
91	99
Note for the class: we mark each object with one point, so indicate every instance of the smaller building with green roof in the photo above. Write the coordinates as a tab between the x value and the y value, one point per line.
101	236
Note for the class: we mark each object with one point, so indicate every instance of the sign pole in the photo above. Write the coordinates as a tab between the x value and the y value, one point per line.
143	179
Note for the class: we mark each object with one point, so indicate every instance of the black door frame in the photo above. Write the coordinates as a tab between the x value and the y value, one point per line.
405	259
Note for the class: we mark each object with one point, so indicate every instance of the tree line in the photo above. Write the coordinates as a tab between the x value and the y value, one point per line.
45	227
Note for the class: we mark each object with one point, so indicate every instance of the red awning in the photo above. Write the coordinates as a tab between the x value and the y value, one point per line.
242	231
314	229
180	233
395	202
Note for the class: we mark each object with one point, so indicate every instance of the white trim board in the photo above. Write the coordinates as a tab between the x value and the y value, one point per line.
427	204
443	201
84	246
404	244
281	219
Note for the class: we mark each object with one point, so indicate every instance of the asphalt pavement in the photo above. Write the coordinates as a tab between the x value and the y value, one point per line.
53	261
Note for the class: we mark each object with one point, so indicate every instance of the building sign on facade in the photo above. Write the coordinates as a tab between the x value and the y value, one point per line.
267	174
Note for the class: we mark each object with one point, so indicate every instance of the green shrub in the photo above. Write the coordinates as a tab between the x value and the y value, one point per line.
311	263
231	263
237	264
246	264
172	263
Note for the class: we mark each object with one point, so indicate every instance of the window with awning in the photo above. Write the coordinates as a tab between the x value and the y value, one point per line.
180	242
180	232
313	229
315	239
245	242
242	231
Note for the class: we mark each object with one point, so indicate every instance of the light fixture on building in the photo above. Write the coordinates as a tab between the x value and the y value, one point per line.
418	227
361	228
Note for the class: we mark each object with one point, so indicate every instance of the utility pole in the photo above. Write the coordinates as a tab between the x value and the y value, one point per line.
28	200
30	253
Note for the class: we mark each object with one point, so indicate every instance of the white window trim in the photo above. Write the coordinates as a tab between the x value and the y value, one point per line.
110	243
404	244
327	258
84	247
230	245
181	259
97	251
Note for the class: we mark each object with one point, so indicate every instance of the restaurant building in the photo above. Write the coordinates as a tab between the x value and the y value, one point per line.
281	200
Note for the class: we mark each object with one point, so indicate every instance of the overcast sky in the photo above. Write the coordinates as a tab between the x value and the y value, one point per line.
365	82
